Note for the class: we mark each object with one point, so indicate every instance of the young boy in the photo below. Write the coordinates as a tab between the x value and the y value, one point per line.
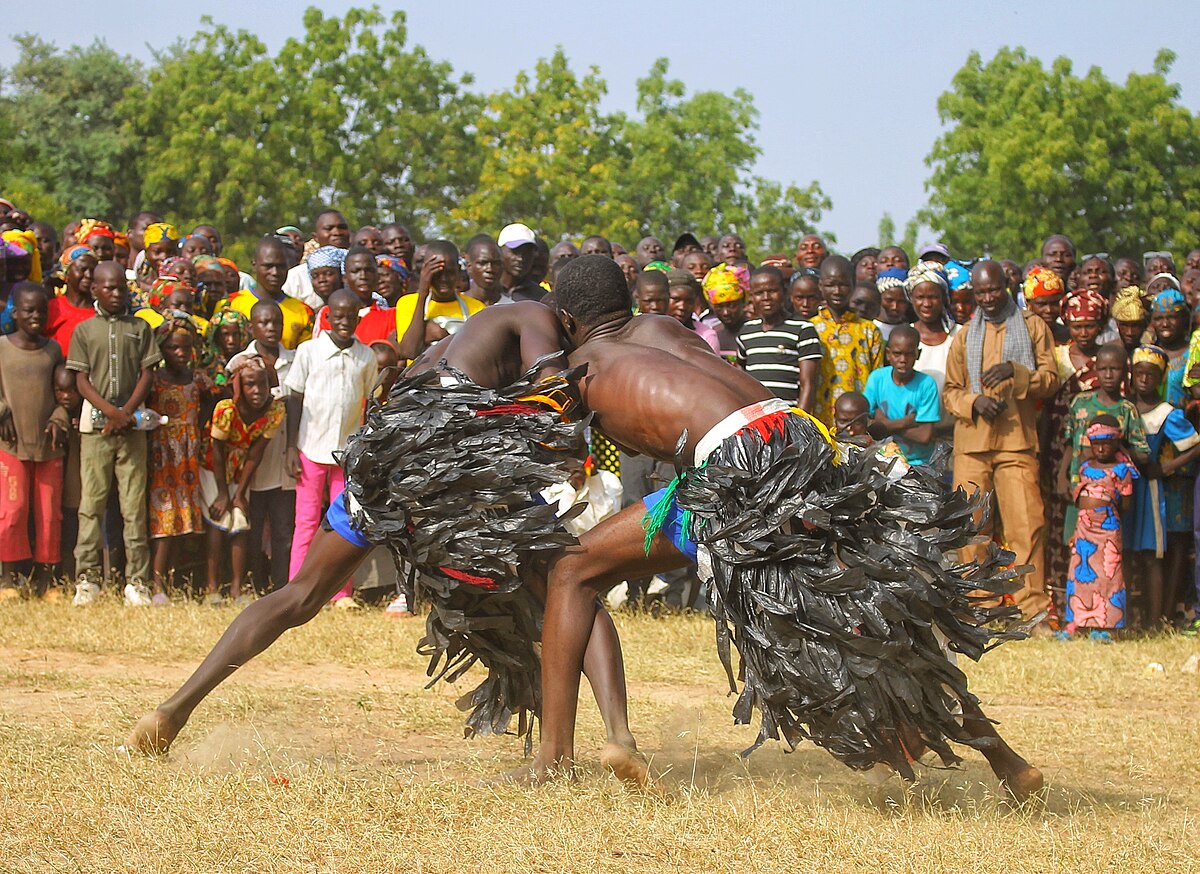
272	488
361	275
67	396
112	355
329	381
32	436
783	354
270	272
437	310
903	401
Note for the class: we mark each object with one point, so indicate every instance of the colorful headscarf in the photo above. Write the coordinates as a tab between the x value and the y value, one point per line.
242	362
164	287
178	267
1083	305
1149	354
393	263
69	255
726	283
27	243
160	231
120	239
957	275
1100	431
211	358
327	256
225	262
922	271
1128	305
1042	282
662	266
1168	301
174	322
207	262
90	227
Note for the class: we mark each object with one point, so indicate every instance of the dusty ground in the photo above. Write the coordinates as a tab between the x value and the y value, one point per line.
328	755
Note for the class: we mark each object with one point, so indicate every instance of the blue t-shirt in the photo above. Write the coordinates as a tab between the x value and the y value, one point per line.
919	395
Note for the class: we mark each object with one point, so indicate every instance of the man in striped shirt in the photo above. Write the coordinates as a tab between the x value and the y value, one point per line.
783	354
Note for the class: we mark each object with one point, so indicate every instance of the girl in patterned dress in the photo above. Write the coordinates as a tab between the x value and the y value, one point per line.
175	446
1103	492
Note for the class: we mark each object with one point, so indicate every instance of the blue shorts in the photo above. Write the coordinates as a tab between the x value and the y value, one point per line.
673	528
338	520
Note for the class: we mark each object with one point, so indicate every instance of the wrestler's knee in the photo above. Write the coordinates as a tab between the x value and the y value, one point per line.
579	571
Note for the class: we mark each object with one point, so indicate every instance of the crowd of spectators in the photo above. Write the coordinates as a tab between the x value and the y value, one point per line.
164	408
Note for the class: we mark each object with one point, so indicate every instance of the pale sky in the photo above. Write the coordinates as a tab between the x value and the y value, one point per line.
846	91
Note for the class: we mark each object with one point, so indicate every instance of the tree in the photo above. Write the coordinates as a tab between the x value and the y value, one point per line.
551	159
1032	151
778	217
63	131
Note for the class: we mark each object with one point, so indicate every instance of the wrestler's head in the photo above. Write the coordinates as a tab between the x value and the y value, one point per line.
590	291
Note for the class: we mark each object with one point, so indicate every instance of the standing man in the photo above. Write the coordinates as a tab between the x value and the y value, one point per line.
596	245
485	266
997	370
330	229
648	249
398	243
811	251
852	345
518	249
1058	253
270	273
783	354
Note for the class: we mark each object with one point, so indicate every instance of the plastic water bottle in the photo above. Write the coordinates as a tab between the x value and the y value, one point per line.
144	419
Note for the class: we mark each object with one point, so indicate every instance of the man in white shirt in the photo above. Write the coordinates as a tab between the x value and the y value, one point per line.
330	229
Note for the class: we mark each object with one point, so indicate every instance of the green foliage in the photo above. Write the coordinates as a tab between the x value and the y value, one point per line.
1032	151
62	131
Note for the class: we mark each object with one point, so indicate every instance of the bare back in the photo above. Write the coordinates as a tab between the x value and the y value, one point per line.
495	347
653	378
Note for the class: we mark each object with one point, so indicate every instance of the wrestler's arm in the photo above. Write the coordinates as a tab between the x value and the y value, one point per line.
539	337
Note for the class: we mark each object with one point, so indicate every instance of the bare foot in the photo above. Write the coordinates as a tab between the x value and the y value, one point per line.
1023	783
153	734
626	763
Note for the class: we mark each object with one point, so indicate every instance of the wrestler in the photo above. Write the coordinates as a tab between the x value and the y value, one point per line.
829	579
491	351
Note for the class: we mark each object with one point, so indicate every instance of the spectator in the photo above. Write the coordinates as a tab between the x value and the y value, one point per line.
891	257
75	304
393	279
596	245
726	287
804	293
241	428
398	242
361	275
783	354
893	301
485	266
270	273
928	289
272	488
811	252
518	250
697	263
442	309
1162	507
998	368
175	502
684	293
328	385
903	401
1102	496
1132	317
67	396
330	229
33	434
851	346
1171	322
867	303
112	354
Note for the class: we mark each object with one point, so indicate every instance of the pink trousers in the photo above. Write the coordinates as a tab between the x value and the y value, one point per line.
30	487
316	486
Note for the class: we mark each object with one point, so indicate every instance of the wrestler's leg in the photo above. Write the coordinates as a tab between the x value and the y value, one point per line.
1016	775
329	562
611	552
603	665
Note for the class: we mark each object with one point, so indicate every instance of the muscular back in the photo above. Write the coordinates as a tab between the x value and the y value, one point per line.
496	346
652	378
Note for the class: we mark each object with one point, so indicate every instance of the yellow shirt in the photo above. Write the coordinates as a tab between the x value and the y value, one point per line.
297	316
450	314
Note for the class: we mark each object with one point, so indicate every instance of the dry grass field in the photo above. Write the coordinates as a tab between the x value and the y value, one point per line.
327	754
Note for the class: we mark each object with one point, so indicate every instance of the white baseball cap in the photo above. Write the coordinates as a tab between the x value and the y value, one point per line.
515	235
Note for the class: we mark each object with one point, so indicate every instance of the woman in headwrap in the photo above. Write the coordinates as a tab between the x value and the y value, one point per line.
725	286
928	288
24	259
178	267
75	267
1084	313
1161	523
393	278
1130	313
1171	322
211	287
99	237
1044	292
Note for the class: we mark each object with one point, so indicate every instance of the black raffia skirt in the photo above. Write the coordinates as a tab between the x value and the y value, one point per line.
838	587
446	474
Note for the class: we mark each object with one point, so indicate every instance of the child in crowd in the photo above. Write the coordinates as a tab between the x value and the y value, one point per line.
113	354
1106	399
33	432
894	308
805	293
904	402
272	488
67	396
851	416
329	381
361	275
325	270
242	426
866	302
1161	524
1102	493
175	501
